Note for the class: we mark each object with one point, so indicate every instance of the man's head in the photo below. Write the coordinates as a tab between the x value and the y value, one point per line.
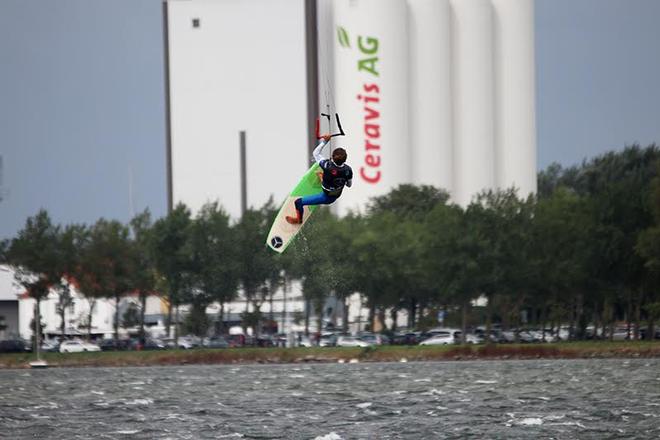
339	156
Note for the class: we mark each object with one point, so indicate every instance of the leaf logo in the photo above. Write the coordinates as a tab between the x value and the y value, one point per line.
342	35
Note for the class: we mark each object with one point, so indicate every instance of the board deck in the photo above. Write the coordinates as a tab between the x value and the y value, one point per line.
282	232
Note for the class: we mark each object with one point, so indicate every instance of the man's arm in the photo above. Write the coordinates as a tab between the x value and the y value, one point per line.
318	157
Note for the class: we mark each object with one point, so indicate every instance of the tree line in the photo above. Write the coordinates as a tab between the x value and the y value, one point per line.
584	251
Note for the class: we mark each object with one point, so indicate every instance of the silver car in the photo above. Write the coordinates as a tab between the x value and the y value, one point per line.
351	341
78	347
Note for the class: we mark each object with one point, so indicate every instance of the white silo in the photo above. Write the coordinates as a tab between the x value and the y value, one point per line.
515	119
430	93
371	89
474	153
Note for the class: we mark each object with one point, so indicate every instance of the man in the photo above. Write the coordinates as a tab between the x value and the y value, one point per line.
336	174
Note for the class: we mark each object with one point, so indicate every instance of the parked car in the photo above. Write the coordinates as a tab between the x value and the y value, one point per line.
440	338
216	342
13	346
621	334
186	343
644	331
494	336
115	345
406	338
50	345
527	336
304	341
328	340
264	341
375	339
508	336
77	347
149	344
469	338
280	340
351	341
236	340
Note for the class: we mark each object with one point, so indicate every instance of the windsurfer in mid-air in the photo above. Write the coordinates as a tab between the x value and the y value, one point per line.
336	174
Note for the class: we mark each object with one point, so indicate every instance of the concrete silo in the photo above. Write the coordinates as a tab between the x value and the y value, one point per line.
515	133
473	104
431	131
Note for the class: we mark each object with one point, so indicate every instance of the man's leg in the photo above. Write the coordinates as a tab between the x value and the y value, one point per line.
316	199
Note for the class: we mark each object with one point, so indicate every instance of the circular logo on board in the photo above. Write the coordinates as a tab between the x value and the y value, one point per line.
276	242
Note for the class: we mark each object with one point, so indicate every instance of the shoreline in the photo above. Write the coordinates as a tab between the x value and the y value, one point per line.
300	355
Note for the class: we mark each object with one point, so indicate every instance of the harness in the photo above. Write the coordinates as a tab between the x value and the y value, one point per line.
335	178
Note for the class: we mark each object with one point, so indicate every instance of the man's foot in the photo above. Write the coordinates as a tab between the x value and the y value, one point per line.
293	220
298	219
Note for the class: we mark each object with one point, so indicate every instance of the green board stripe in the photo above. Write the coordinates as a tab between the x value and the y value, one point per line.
308	185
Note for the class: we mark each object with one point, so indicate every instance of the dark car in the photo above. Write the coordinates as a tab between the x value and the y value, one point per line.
115	345
264	341
237	340
153	344
216	342
13	346
409	338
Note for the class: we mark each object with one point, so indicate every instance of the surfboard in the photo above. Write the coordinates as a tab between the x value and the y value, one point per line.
282	232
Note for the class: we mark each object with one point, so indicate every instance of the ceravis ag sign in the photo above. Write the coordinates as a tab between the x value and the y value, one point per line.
371	85
369	100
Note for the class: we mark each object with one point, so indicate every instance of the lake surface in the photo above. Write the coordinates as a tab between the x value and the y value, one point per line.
572	399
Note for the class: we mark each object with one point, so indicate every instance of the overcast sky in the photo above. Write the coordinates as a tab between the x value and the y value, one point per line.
82	102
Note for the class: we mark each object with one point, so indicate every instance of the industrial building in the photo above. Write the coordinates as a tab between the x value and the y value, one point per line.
9	291
438	92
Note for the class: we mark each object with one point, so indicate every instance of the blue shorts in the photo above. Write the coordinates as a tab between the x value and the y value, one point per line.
316	199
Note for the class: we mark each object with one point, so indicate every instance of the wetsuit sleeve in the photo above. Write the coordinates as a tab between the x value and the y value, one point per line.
318	157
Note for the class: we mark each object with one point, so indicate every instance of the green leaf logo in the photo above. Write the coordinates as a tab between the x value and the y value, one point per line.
343	37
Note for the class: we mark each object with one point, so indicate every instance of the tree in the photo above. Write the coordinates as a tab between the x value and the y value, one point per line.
142	270
408	201
102	269
617	185
33	256
213	249
111	248
169	246
323	258
131	316
196	321
391	242
500	222
256	263
648	248
69	244
561	241
451	256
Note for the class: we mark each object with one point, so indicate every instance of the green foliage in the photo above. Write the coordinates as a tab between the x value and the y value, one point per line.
196	322
408	201
169	248
252	319
587	245
256	264
33	254
212	247
131	316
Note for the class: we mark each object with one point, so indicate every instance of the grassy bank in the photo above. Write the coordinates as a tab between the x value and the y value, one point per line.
569	350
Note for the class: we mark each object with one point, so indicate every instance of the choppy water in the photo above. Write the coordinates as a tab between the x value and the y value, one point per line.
514	399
